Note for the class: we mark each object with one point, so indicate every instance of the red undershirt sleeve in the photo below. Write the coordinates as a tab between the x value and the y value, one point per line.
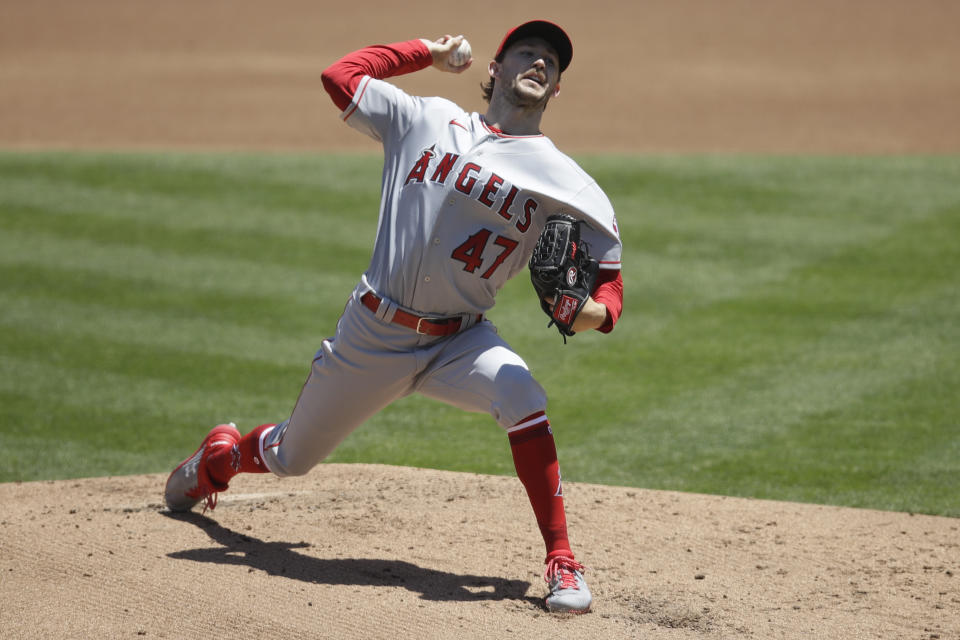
379	61
609	292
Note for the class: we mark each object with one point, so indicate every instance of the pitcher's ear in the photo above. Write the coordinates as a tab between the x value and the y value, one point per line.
494	69
556	91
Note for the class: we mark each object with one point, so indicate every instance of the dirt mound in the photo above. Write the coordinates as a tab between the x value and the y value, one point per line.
367	551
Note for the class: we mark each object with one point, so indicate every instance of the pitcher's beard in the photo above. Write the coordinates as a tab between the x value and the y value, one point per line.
522	100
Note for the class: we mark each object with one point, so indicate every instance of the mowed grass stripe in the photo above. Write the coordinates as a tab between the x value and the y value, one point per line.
126	410
236	189
277	212
237	275
191	334
860	455
288	249
200	371
124	437
165	302
715	413
55	384
855	285
182	409
737	193
859	284
327	215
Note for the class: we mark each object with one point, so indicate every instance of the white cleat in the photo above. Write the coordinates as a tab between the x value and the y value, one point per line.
568	590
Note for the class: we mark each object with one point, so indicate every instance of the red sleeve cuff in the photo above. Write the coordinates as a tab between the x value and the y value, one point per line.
609	292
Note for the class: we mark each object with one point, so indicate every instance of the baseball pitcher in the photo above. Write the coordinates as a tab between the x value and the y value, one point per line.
468	201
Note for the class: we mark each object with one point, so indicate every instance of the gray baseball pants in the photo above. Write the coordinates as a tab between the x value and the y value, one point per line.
371	362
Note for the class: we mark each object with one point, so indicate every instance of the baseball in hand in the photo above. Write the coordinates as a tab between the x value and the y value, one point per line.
461	55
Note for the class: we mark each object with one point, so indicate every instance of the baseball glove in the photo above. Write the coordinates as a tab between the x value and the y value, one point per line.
561	268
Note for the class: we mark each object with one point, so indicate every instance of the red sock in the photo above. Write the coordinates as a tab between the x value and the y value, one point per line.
244	457
535	458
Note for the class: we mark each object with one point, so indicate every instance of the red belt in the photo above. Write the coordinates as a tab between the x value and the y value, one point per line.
424	325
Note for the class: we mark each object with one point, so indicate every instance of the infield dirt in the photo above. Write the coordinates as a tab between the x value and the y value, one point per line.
811	76
367	551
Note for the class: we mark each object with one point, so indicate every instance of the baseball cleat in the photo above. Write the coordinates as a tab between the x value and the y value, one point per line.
190	483
568	590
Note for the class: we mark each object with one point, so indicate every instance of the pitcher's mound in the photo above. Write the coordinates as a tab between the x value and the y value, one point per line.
368	551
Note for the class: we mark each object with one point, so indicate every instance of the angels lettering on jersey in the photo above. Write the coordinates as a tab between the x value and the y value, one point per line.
437	167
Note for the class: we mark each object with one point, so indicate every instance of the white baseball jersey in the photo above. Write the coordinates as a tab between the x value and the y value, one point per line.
463	204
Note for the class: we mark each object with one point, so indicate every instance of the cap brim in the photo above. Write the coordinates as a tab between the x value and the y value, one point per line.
548	31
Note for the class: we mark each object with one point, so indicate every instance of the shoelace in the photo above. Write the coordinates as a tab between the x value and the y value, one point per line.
204	491
563	567
209	497
210	502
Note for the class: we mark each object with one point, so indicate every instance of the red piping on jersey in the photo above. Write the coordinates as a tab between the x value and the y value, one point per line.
356	103
500	134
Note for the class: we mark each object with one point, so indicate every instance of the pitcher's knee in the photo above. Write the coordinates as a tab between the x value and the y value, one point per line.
284	458
284	467
519	396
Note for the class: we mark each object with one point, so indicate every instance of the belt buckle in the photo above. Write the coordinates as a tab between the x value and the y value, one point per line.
420	320
446	321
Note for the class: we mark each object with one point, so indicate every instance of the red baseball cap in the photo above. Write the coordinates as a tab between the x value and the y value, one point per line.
550	32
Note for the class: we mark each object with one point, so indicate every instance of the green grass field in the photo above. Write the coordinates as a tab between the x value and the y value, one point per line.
791	329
